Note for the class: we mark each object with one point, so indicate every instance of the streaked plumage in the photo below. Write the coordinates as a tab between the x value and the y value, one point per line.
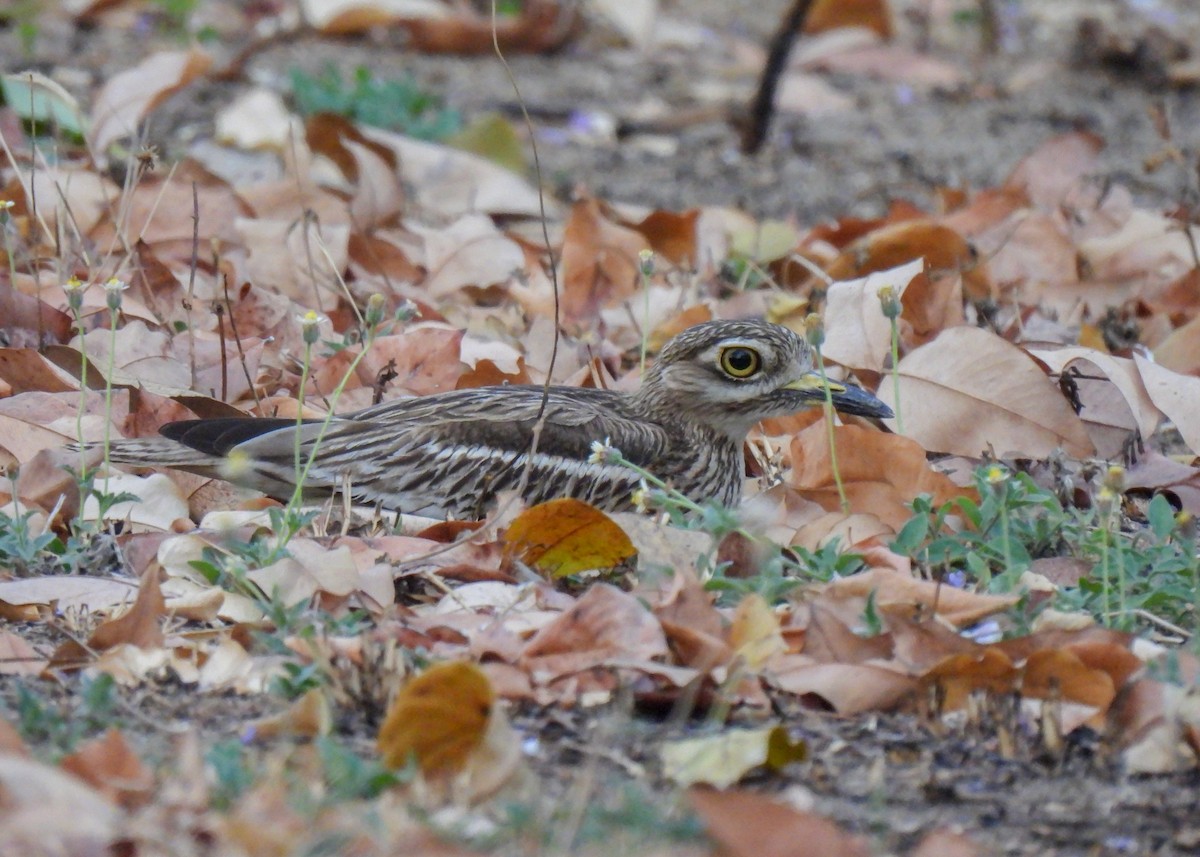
449	454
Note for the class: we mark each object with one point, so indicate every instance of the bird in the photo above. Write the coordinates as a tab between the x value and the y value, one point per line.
449	454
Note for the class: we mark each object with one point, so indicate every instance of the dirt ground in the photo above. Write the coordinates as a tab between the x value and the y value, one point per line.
891	779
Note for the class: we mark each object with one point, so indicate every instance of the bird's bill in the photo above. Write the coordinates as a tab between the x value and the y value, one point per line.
847	398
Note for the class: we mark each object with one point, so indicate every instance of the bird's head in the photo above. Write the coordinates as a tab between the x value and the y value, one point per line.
731	374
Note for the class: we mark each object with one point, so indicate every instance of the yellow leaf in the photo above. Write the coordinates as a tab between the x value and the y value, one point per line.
439	718
493	137
755	633
567	536
723	759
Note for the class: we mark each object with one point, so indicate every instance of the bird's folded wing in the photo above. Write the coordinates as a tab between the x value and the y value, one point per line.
504	422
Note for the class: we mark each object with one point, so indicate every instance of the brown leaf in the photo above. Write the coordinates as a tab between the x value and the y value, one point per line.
671	235
309	716
1052	171
110	766
41	801
599	263
746	824
901	592
446	719
859	335
968	391
17	657
959	676
604	625
1177	396
141	624
1115	401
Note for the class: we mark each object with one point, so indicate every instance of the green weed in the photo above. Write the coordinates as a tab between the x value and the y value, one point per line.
396	105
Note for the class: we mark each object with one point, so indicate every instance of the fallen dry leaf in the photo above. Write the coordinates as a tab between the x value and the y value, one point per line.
881	473
566	536
969	391
128	96
109	765
746	824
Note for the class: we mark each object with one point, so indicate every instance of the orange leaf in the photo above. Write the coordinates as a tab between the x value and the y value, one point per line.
961	675
567	536
881	472
439	718
671	234
1061	674
599	263
832	14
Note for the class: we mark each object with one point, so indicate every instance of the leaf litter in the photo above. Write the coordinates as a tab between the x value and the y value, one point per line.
923	706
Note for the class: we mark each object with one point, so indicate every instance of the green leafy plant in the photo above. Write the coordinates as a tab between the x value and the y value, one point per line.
398	105
61	725
1138	569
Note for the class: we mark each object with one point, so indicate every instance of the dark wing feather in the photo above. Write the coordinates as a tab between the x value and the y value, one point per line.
219	436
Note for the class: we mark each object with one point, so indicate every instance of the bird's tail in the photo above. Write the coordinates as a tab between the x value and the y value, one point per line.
154	452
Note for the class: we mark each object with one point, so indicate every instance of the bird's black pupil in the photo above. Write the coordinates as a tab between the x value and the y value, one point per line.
740	359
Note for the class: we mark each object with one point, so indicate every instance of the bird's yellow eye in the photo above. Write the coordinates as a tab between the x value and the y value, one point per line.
738	361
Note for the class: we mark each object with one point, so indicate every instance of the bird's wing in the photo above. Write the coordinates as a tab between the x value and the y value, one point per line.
500	419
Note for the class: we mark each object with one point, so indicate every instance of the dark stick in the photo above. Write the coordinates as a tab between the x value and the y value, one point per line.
754	131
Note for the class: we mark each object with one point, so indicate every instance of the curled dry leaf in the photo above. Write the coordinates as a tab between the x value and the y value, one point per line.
308	717
858	334
903	592
1051	172
1177	396
1110	389
45	806
17	657
603	626
471	251
159	505
845	688
141	624
873	15
969	391
23	599
128	96
959	676
672	235
450	183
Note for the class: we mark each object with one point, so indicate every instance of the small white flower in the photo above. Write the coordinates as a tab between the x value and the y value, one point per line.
604	453
6	204
310	326
642	498
112	292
